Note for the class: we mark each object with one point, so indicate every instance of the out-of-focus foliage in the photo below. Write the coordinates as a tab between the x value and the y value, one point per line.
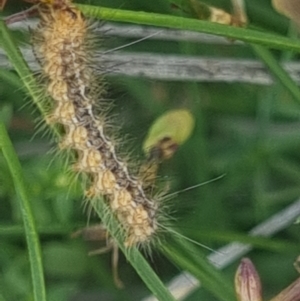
250	133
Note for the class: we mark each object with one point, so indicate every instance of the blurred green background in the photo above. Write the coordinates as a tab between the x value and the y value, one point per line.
251	133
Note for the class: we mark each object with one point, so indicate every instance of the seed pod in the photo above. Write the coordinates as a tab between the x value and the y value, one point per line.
247	282
167	133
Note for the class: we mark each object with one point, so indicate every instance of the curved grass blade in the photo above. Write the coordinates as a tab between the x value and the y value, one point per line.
278	72
34	251
247	35
185	255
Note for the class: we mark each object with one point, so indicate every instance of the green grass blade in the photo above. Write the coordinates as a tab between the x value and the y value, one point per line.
278	72
10	78
133	255
18	230
34	251
243	34
15	57
275	245
185	255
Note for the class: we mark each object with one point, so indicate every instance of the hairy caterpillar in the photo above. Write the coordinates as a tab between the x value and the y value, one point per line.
167	133
61	43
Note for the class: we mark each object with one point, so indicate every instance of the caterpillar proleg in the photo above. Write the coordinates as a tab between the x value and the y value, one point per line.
61	43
